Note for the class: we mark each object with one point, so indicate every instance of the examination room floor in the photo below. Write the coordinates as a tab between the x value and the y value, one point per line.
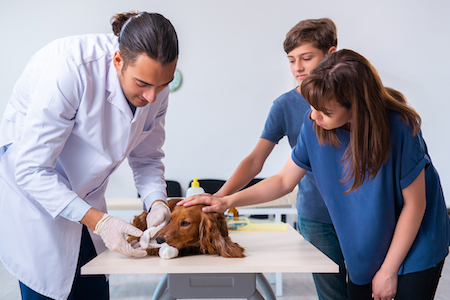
140	287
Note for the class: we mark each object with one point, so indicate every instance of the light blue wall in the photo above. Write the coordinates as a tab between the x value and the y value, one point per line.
234	66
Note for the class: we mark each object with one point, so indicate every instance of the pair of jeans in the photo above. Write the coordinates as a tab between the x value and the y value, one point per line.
412	286
329	286
86	287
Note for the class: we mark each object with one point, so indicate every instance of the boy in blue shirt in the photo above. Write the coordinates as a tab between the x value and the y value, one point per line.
306	45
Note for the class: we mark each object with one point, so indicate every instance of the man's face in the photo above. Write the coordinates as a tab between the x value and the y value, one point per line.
143	80
304	59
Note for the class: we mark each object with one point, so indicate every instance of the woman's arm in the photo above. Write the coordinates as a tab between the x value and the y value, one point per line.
266	190
408	224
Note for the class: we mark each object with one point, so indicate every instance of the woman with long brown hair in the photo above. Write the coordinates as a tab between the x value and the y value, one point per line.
363	143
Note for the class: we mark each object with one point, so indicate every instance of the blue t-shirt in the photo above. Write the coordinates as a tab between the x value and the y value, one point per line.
365	219
285	119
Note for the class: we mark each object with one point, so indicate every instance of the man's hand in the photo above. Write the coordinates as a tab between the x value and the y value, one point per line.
157	218
113	232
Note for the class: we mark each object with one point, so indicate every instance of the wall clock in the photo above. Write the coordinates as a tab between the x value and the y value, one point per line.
176	82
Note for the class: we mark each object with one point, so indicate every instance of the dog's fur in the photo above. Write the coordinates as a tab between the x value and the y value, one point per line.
192	231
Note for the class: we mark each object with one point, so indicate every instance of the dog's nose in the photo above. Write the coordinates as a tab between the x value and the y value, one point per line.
160	240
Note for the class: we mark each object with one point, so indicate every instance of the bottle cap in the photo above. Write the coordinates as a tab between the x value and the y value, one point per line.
195	183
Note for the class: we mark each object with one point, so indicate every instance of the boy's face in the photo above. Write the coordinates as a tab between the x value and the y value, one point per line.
304	59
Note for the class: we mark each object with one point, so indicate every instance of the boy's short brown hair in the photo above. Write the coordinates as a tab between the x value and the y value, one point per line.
322	33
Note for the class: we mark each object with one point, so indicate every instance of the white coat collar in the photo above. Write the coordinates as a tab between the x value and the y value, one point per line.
116	96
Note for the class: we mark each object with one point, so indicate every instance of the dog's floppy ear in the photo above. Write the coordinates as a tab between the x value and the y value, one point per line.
171	203
214	237
140	221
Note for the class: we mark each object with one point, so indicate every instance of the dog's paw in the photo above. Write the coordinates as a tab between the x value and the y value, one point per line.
167	252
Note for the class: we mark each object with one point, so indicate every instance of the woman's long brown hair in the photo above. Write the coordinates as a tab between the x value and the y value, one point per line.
349	79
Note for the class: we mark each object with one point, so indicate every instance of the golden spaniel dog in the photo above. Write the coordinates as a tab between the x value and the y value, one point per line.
192	231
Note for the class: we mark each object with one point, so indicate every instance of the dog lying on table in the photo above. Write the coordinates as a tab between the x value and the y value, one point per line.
191	231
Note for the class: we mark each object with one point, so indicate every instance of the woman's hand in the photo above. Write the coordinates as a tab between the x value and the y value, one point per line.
214	204
384	285
266	190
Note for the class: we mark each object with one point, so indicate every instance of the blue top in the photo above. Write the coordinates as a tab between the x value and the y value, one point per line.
365	219
285	119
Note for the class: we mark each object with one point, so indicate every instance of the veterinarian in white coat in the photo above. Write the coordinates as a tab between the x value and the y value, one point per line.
82	105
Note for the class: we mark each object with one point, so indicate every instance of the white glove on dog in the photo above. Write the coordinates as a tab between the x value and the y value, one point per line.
113	232
157	218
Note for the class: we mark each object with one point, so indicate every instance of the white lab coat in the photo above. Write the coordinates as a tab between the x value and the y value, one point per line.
70	127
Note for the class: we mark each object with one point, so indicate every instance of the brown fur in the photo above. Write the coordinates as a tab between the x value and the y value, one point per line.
192	231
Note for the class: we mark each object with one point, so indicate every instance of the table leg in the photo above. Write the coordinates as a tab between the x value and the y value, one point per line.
256	296
166	296
277	279
160	289
279	284
265	286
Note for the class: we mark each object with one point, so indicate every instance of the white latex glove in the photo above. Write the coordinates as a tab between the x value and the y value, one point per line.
113	232
157	218
145	240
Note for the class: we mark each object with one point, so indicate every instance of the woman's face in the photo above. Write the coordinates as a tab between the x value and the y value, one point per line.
335	116
143	80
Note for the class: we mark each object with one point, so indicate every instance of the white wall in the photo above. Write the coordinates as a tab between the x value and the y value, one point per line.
234	66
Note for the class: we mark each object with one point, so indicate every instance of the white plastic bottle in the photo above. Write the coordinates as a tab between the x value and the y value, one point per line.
194	189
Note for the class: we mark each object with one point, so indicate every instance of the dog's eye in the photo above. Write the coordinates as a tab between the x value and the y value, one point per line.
185	223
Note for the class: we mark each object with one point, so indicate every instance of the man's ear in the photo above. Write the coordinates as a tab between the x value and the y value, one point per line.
118	60
331	50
